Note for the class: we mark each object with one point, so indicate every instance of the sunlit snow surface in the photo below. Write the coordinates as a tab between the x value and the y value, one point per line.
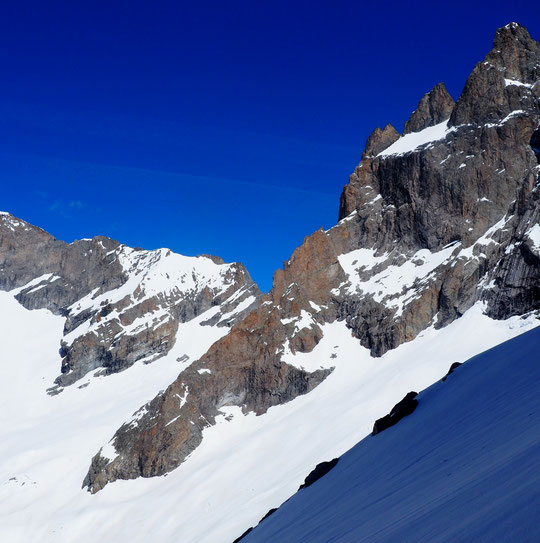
465	466
414	140
534	235
245	465
161	273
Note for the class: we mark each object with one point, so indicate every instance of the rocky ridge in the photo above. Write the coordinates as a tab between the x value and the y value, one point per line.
431	222
121	305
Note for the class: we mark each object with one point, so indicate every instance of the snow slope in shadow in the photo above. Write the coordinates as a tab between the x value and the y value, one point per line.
465	466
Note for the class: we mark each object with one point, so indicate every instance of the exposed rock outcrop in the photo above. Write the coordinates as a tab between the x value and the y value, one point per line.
319	471
471	191
379	140
402	409
243	369
505	82
451	370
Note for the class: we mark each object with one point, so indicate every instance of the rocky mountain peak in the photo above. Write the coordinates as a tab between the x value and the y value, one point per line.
507	80
379	140
434	108
121	305
516	52
451	185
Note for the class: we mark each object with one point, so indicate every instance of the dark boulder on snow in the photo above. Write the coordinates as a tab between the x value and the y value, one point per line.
451	370
320	471
402	409
271	512
243	535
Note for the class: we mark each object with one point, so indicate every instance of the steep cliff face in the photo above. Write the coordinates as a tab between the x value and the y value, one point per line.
461	196
431	222
121	305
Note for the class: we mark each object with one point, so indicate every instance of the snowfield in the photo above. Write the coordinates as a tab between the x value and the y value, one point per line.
245	464
411	142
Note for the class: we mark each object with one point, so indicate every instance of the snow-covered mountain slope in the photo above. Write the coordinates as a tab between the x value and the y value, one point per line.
45	440
465	466
121	305
245	465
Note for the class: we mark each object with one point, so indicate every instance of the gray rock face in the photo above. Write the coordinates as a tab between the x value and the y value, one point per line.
475	186
121	305
434	108
430	223
506	81
238	370
60	273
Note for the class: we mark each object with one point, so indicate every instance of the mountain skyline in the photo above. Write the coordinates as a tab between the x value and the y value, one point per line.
118	131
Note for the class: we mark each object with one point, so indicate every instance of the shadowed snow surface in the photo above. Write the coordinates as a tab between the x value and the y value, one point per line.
245	464
465	466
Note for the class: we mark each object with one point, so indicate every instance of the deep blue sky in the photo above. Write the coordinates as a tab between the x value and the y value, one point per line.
227	128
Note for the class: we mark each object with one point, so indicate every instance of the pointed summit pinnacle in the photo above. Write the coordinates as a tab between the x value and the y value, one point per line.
506	81
435	107
379	140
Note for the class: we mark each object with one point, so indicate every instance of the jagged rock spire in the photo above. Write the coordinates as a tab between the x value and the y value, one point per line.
435	107
516	52
507	80
379	140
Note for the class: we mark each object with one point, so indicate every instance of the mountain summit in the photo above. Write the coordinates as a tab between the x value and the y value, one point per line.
434	108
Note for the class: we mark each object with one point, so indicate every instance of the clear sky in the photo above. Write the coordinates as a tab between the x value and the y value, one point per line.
226	128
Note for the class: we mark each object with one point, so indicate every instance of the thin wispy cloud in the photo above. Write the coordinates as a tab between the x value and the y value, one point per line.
66	208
